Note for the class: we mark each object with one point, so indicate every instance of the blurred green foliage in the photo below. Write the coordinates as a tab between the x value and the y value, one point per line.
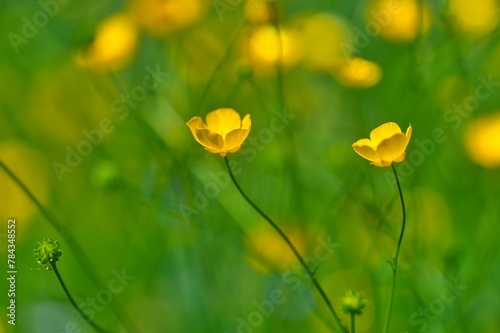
95	127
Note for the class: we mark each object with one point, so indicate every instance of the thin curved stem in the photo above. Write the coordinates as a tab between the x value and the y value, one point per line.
73	302
291	246
353	321
394	262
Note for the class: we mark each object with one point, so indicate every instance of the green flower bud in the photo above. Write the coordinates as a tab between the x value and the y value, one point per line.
353	303
47	252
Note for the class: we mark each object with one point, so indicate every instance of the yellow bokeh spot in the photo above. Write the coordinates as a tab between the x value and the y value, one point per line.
265	46
159	17
267	251
114	44
399	20
476	17
323	35
358	73
32	169
482	140
259	11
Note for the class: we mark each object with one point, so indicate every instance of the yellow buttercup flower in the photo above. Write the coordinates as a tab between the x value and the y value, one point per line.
387	144
223	133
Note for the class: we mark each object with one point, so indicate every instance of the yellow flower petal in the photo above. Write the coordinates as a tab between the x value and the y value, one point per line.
365	149
387	144
246	123
381	163
400	158
223	133
194	124
213	142
408	134
223	121
392	148
384	131
234	139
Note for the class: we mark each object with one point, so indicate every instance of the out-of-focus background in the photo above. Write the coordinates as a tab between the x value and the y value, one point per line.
94	97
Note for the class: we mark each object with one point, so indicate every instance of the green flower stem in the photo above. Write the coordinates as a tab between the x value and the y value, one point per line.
291	246
70	240
353	320
394	263
72	300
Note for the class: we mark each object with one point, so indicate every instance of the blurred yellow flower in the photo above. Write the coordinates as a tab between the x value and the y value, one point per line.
476	17
160	17
400	20
357	73
482	140
322	34
267	251
259	11
265	46
114	44
387	144
223	133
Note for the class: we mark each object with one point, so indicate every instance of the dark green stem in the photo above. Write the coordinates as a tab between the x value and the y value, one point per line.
291	246
72	300
394	262
353	320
